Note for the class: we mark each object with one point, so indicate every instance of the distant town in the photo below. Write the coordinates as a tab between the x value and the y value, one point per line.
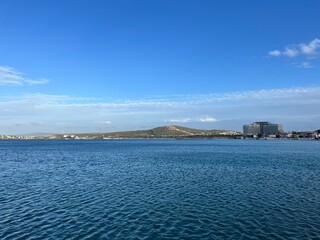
255	130
258	130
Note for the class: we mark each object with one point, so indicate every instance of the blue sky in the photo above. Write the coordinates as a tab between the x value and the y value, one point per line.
95	66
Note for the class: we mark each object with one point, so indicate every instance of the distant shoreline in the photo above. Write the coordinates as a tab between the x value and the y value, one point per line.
165	138
168	132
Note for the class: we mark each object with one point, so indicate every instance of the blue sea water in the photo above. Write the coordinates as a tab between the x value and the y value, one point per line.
160	189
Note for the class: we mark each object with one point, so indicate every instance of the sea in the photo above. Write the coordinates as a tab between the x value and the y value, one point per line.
159	189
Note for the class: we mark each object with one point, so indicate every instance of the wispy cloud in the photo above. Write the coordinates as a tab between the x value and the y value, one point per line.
204	119
302	49
55	113
12	77
105	122
183	120
304	65
166	102
207	119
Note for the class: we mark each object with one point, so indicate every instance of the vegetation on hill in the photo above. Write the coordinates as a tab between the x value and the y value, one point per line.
161	132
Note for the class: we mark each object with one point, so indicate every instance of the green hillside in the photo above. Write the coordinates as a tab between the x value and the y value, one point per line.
159	132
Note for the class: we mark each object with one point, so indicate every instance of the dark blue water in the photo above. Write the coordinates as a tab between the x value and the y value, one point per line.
160	189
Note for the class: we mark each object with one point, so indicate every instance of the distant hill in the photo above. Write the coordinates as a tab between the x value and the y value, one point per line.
159	132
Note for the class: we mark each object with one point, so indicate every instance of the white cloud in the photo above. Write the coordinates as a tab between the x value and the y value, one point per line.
275	53
207	119
184	120
302	49
290	52
311	48
11	77
105	122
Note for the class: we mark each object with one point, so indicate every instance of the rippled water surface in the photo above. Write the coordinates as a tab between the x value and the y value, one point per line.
160	189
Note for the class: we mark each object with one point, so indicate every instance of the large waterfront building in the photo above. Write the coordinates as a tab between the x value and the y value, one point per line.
262	129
